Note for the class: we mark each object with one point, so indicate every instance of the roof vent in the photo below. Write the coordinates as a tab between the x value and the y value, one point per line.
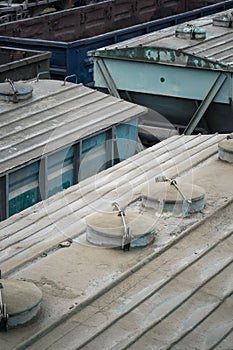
14	92
120	229
224	20
191	32
20	301
164	194
225	149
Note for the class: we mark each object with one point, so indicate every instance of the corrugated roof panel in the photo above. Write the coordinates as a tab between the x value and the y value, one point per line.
217	47
55	117
179	287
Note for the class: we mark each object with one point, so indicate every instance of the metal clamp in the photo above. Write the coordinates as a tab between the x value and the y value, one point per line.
3	313
126	239
173	183
15	98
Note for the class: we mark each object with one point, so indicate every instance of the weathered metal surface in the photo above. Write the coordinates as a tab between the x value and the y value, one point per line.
96	19
11	91
23	300
213	52
191	32
170	90
19	10
182	199
22	64
62	135
164	55
106	229
99	25
225	150
224	20
47	115
176	291
169	70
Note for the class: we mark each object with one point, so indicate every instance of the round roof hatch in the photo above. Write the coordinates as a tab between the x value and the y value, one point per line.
107	229
190	32
225	149
223	20
22	301
15	91
168	195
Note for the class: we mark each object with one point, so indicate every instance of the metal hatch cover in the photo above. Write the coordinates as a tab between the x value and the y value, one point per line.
106	229
168	195
22	301
225	149
14	91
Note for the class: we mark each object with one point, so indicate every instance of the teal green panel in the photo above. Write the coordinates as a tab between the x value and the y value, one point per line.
23	188
60	167
164	79
24	201
24	176
92	141
93	156
161	55
127	138
60	159
93	161
60	183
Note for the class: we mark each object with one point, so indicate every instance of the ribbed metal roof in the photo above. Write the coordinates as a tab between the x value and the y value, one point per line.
216	48
177	293
55	117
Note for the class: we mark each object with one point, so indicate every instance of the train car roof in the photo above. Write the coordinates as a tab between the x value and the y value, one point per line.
176	45
176	292
54	117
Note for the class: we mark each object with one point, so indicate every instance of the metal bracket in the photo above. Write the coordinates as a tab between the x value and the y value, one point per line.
107	77
205	104
15	97
173	183
3	313
126	239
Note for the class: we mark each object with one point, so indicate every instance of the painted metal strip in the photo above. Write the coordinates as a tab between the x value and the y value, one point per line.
205	104
107	78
